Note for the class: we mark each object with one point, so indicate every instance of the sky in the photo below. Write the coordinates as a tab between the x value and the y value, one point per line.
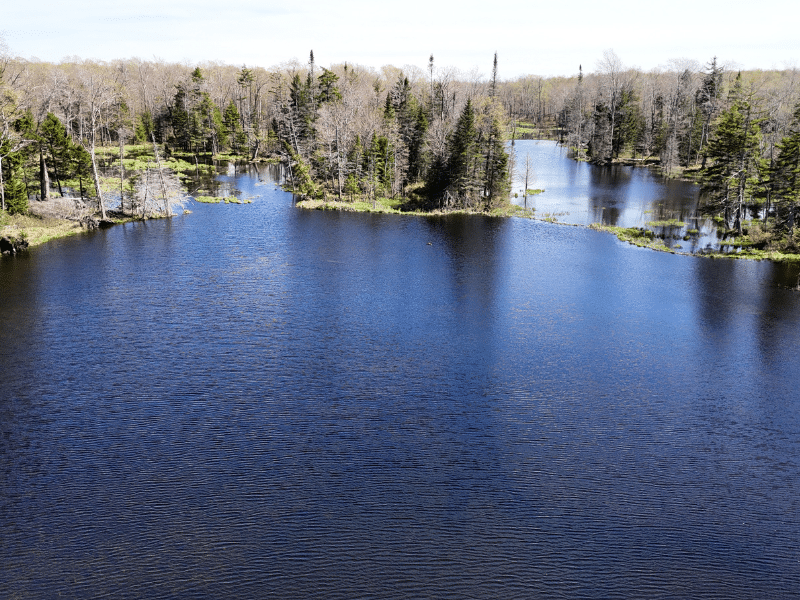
530	37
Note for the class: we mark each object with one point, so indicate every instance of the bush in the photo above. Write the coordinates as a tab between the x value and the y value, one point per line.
759	237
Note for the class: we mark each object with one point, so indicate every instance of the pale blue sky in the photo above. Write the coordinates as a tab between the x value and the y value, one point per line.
530	37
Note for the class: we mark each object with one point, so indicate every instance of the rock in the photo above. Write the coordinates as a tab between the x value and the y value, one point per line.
89	222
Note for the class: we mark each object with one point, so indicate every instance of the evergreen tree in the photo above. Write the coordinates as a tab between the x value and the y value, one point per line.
80	166
301	112
328	92
497	179
627	130
35	153
379	166
736	164
417	158
707	100
55	138
463	166
14	193
145	128
209	124
600	147
785	177
179	119
234	134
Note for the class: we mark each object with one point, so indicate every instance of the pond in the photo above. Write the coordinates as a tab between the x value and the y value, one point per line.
255	401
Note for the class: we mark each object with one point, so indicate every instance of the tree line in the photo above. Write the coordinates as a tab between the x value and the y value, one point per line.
346	131
427	132
737	133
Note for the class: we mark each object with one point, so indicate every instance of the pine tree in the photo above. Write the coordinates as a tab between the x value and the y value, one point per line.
497	179
55	139
80	165
707	99
14	194
328	92
785	177
234	134
462	171
417	158
736	163
179	119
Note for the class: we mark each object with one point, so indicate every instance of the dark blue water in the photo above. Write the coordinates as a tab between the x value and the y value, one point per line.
260	402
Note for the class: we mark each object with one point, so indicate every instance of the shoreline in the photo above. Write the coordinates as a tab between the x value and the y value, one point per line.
33	230
634	236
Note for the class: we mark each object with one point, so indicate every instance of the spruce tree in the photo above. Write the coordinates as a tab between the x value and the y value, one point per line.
234	134
54	136
707	99
735	169
462	171
497	179
416	145
785	177
179	119
15	197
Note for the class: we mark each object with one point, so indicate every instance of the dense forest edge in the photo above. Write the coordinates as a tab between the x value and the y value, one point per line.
86	143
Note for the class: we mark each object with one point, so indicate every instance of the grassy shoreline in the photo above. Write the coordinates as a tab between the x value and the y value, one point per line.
643	238
38	229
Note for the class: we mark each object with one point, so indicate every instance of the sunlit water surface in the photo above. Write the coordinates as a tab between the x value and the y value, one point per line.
261	402
622	196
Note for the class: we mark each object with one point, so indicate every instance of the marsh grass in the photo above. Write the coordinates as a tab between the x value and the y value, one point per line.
222	200
37	229
668	223
643	238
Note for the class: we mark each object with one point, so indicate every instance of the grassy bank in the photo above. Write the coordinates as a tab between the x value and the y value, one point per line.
54	219
404	207
641	237
644	238
37	230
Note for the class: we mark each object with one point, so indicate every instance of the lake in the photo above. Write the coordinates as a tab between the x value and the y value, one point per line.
255	401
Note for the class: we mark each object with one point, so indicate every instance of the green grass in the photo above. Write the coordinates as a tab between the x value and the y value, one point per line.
644	238
381	205
37	230
669	223
222	199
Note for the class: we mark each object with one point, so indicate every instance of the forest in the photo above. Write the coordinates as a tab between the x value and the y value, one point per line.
429	136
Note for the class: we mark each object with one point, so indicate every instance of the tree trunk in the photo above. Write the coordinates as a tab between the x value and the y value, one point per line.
96	176
167	208
44	177
338	164
2	187
121	174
